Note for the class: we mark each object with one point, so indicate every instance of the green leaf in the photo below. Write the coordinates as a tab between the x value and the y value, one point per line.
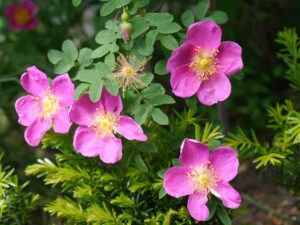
161	173
143	48
146	80
150	37
159	117
131	102
169	42
139	163
212	206
95	91
187	18
176	162
105	37
168	28
152	90
141	113
160	67
114	48
112	86
103	69
142	3
55	56
139	26
127	155
108	8
146	147
84	57
81	89
121	3
76	2
201	8
156	19
63	66
219	17
69	50
160	100
162	193
110	59
89	76
223	216
101	51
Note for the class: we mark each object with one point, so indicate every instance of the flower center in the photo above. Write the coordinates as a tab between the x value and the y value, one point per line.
203	178
46	105
103	123
21	16
128	71
205	63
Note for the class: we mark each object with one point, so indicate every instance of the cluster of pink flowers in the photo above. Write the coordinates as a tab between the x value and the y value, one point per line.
21	16
98	121
201	65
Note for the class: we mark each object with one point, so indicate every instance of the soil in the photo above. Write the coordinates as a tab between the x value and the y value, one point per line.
259	185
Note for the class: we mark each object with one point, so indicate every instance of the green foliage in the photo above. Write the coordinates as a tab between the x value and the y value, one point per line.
17	204
290	55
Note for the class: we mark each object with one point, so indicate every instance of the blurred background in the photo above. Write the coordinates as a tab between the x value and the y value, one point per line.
254	24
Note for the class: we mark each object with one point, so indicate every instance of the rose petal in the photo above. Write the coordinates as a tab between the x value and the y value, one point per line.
230	197
25	109
184	82
29	6
183	55
225	163
176	182
9	11
230	57
36	131
61	121
206	35
34	81
63	89
216	89
196	206
111	150
85	142
83	109
30	25
128	128
193	153
111	103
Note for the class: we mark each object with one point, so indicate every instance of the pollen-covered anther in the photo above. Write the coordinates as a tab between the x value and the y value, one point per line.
46	106
203	178
103	123
205	63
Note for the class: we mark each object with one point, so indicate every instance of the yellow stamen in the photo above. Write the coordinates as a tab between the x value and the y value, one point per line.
103	123
203	178
21	16
205	63
46	105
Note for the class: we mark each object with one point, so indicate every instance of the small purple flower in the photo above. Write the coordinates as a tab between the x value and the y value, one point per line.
99	122
203	173
202	64
46	105
21	16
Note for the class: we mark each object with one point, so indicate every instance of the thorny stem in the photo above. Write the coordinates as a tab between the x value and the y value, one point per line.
269	210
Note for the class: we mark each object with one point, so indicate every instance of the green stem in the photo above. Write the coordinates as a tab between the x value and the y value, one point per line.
267	209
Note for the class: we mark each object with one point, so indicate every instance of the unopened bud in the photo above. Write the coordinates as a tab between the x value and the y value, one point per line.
126	29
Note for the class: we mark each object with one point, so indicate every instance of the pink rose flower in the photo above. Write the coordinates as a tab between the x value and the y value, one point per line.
203	63
99	122
46	105
21	16
203	173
